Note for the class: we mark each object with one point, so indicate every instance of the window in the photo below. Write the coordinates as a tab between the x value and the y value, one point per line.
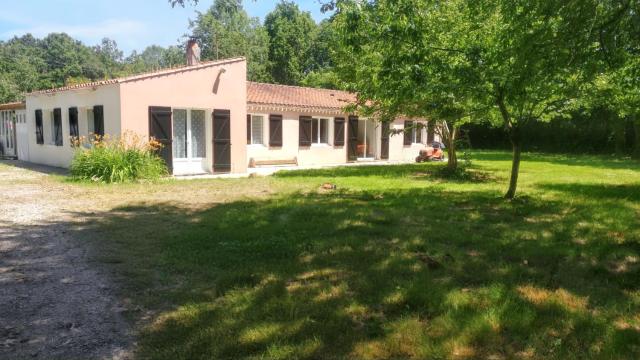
412	132
197	134
39	128
256	130
188	134
179	133
90	125
319	131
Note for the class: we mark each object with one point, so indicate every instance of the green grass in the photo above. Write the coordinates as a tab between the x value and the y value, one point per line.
398	262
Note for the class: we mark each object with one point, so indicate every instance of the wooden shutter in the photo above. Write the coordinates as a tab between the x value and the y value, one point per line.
98	120
418	131
74	132
39	133
407	132
221	141
338	131
57	126
248	129
384	140
304	137
160	129
352	136
430	133
275	130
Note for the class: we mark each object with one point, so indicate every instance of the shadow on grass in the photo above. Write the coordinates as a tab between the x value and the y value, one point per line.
427	171
604	162
629	192
393	274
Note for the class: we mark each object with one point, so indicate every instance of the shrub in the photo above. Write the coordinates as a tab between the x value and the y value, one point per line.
126	158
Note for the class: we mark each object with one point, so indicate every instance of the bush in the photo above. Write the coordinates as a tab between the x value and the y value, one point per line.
123	159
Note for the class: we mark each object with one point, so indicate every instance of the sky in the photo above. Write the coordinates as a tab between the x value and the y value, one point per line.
133	24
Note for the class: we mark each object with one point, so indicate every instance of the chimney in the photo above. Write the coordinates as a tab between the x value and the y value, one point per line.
193	52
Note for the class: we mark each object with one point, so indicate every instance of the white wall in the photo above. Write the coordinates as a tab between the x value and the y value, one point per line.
400	152
316	154
61	156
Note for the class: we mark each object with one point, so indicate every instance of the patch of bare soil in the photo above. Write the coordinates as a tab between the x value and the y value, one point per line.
54	303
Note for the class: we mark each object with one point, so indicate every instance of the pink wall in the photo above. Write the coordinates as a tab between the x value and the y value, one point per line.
193	89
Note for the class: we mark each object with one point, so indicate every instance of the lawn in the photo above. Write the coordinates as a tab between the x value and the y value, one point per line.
397	262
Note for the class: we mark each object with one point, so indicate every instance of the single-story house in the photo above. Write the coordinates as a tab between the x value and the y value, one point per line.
210	119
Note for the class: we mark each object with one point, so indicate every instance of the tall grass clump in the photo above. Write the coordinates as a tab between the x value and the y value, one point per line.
112	160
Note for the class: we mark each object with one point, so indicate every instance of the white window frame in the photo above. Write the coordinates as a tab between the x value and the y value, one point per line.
263	143
414	132
317	141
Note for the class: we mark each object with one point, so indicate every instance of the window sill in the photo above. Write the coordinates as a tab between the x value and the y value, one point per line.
323	145
257	146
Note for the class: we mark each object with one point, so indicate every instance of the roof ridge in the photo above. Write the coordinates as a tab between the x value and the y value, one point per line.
298	87
141	76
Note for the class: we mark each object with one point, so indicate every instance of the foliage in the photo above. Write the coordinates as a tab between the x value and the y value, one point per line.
291	34
397	263
226	31
123	159
513	62
28	63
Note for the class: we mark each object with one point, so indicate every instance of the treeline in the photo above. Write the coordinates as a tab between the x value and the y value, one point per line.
598	132
289	47
28	63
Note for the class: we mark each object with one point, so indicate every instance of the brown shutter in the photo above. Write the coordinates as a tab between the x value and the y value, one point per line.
39	133
305	131
352	137
384	140
275	130
248	129
98	120
338	131
407	132
418	130
430	133
74	132
57	126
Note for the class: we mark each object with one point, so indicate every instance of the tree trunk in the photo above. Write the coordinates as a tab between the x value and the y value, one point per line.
516	143
636	128
618	133
452	160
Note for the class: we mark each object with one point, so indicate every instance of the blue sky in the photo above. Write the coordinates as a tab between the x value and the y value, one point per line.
134	24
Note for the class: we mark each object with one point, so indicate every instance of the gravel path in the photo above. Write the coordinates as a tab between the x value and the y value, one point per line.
54	303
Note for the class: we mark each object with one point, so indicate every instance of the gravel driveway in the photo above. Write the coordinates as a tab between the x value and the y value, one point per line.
54	302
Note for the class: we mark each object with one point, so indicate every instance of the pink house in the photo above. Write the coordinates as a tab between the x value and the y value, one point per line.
212	120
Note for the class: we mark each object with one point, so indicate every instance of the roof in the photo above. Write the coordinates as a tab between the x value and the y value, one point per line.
296	98
143	76
19	105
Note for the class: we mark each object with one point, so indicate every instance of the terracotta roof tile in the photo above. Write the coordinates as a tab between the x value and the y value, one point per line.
19	105
139	76
297	97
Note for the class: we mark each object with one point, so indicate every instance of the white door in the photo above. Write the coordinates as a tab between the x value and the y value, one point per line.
7	133
22	136
189	148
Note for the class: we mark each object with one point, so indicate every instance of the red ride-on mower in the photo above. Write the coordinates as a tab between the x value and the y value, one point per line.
431	153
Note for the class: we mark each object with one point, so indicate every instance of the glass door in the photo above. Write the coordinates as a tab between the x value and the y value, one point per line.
189	149
366	149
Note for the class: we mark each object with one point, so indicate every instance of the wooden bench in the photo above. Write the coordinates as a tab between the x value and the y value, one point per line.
253	162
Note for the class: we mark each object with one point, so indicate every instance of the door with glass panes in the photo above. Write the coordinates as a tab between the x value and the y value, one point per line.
189	149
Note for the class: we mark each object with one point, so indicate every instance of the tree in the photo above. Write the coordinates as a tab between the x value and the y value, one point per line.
416	76
527	59
291	33
226	31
